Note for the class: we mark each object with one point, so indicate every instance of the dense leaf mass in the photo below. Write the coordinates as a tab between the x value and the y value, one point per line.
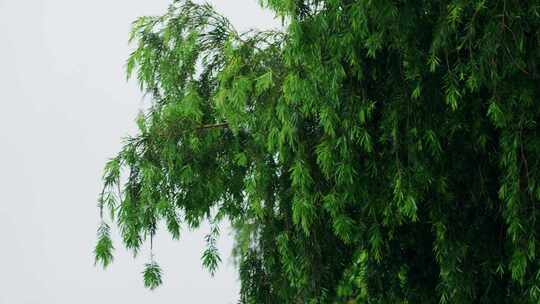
373	151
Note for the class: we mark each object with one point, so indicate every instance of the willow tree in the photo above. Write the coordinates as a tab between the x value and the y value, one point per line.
371	152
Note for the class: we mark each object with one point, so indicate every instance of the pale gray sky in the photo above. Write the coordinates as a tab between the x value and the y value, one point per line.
65	105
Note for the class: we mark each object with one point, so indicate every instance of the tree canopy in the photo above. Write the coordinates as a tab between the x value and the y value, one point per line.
372	151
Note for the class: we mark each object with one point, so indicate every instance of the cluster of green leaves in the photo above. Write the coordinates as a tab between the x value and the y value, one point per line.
372	152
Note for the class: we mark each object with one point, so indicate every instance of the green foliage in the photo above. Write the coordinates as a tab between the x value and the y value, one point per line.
152	275
210	258
371	152
104	246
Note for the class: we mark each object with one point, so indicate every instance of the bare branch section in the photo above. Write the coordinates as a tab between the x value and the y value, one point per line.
213	126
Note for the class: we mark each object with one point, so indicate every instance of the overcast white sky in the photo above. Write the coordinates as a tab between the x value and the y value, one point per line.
65	105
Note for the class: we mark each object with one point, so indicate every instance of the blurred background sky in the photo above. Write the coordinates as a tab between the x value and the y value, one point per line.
65	105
